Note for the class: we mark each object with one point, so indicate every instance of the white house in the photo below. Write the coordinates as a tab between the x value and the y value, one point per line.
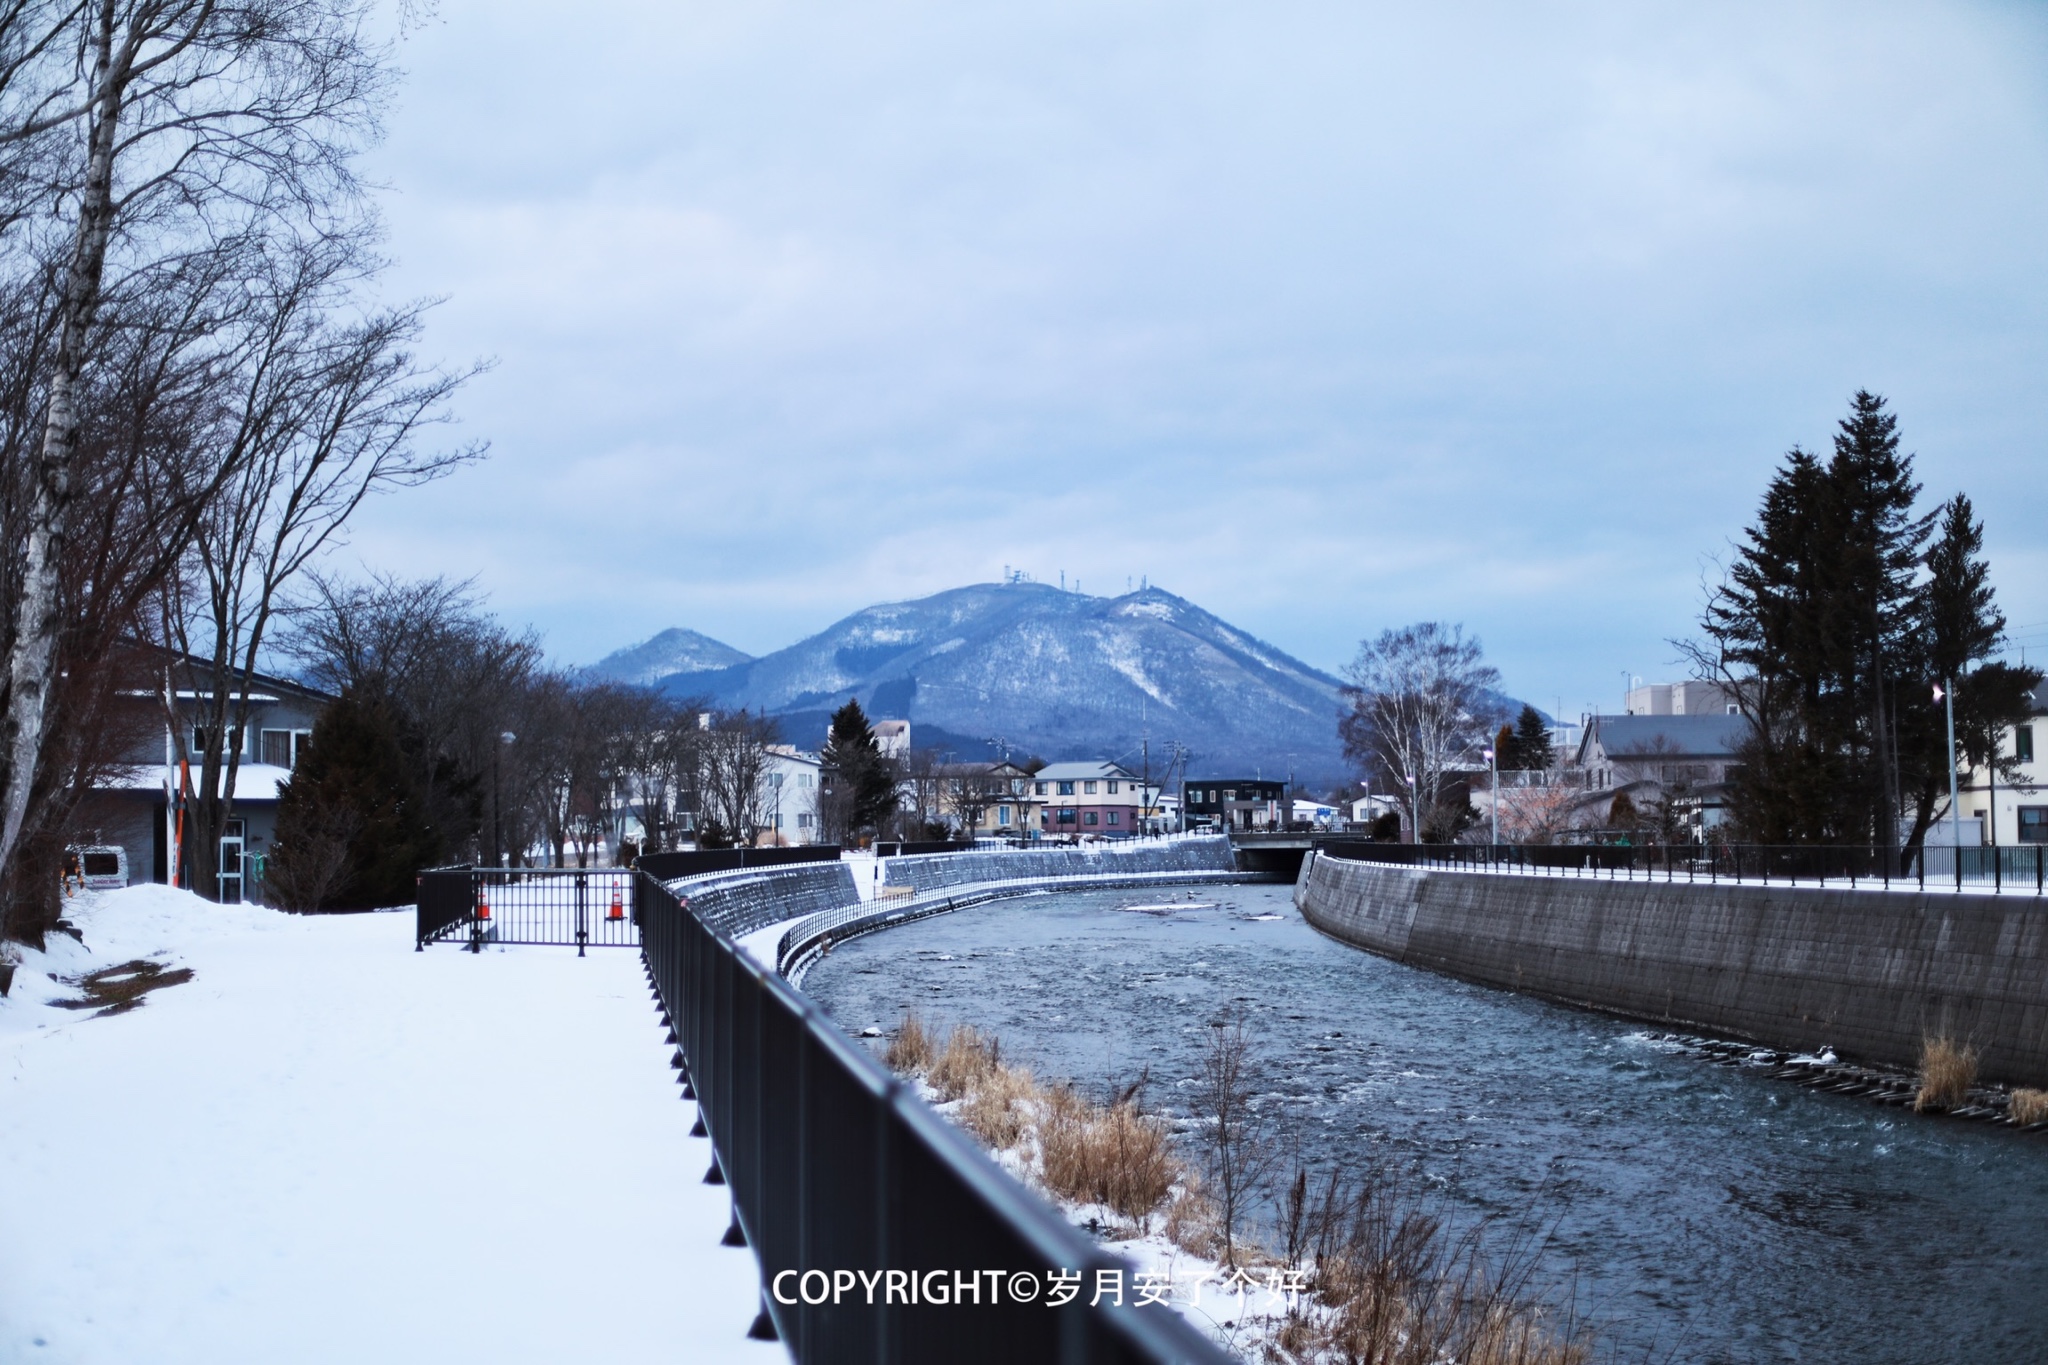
2016	810
789	797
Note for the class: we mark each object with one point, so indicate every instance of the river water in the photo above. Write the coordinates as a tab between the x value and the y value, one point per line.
1698	1212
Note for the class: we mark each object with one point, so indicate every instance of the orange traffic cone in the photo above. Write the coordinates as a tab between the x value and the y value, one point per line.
618	910
483	905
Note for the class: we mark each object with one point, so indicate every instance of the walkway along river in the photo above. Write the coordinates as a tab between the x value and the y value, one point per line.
1705	1213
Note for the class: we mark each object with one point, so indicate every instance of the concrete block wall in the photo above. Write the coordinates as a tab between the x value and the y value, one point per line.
933	872
1871	973
741	902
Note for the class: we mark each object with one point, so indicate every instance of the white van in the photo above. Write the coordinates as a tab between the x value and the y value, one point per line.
102	867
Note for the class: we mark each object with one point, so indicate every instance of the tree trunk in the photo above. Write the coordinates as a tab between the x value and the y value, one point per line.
39	615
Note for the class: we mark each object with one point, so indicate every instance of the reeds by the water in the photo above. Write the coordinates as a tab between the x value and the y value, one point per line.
1389	1280
1948	1069
2028	1106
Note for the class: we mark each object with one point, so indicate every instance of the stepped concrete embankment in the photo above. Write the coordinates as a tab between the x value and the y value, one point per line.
1870	973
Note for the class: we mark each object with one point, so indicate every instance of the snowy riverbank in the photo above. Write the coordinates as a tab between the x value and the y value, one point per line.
325	1146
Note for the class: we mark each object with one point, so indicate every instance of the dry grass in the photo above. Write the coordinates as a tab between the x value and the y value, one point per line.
967	1060
2029	1106
1391	1282
1947	1071
910	1051
1114	1155
116	990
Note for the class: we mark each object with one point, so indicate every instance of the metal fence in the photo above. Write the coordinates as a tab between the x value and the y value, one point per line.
566	906
860	1201
2022	870
666	867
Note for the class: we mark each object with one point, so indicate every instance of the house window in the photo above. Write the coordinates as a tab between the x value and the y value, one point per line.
803	820
1066	789
1039	788
275	748
1112	817
1112	789
201	736
1002	815
2023	743
1067	816
1230	793
1088	787
1089	818
2034	824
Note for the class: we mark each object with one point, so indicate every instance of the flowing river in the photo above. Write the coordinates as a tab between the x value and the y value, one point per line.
1699	1212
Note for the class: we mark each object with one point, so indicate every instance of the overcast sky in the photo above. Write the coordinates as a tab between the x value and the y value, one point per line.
1327	317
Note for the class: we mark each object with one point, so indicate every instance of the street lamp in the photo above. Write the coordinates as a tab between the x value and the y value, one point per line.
1493	766
497	812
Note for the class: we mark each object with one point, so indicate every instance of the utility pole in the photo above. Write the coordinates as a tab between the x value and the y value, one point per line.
1946	693
1493	766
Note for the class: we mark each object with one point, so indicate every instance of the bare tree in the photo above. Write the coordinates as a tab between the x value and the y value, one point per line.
1420	705
155	128
1241	1146
327	414
734	753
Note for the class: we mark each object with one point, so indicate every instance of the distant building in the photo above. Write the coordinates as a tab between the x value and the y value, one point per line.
1101	799
2016	812
138	808
988	800
892	737
789	797
1675	758
1681	699
1233	803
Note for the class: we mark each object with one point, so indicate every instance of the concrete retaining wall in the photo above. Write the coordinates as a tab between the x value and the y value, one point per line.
741	902
1869	972
931	872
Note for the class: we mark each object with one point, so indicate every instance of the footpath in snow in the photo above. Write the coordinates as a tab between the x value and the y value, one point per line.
327	1147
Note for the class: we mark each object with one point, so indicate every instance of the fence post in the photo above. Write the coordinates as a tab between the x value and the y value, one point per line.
1997	863
582	909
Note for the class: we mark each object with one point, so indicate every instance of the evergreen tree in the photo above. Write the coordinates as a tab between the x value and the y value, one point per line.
1507	755
1836	619
352	825
864	780
1532	741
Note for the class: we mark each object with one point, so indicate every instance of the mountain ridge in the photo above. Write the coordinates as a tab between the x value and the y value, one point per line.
1035	669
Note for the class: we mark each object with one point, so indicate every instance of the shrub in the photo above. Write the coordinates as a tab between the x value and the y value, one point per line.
2029	1106
910	1051
1947	1071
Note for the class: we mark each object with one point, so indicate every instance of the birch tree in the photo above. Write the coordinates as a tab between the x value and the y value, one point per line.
1420	706
156	127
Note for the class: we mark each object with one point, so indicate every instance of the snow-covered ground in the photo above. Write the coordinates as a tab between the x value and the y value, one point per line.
327	1147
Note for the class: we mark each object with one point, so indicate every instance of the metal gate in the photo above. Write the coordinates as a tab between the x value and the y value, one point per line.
561	906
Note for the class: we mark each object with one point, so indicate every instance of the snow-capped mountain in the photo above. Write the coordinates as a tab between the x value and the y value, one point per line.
673	651
1053	673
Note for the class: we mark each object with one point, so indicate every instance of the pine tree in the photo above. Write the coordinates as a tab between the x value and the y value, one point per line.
1532	741
864	781
352	825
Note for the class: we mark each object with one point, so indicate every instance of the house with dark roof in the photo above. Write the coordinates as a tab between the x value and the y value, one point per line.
138	806
1682	759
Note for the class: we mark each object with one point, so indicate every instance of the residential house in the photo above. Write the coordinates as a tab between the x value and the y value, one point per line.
1081	799
789	797
1680	759
989	800
139	809
1233	803
2010	811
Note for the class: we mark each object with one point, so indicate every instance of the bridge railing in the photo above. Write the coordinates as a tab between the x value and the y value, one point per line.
865	1207
2021	870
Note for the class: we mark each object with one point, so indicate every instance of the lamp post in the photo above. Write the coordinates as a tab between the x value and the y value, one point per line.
1493	767
497	811
1945	692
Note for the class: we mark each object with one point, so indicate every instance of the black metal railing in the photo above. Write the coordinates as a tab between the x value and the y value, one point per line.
850	1189
566	906
2022	870
666	867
